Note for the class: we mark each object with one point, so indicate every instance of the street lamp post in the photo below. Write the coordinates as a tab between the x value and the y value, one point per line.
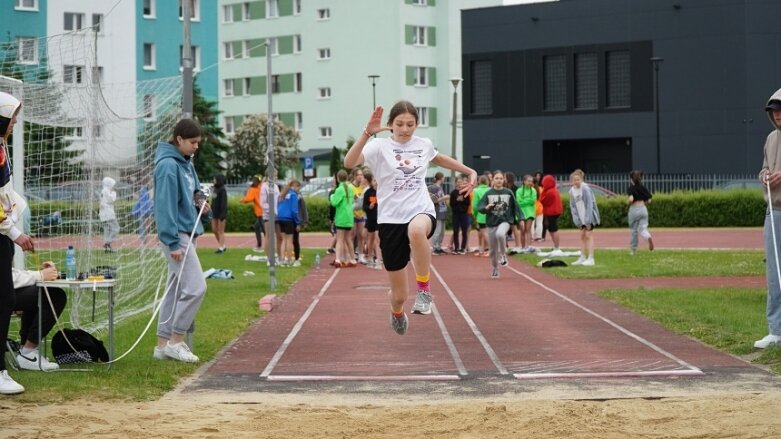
455	82
374	90
656	61
271	174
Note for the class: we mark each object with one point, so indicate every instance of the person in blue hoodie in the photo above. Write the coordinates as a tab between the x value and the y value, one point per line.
288	220
178	203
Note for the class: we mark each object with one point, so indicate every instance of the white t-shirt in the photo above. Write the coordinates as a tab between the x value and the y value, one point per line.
400	171
577	194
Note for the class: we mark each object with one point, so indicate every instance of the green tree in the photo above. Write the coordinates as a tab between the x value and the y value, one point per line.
337	161
250	144
213	150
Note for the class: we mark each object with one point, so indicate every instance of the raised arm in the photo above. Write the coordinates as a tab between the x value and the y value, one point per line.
448	162
354	156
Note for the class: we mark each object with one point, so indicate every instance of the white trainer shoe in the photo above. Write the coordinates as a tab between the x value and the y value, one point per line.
7	384
556	253
180	352
159	353
579	261
767	341
30	362
589	262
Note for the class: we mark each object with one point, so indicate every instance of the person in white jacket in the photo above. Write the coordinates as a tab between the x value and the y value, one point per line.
106	213
54	300
11	207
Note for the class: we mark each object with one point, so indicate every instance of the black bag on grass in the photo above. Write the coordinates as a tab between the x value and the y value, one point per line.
86	348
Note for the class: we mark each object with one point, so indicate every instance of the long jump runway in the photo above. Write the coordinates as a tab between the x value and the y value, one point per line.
484	335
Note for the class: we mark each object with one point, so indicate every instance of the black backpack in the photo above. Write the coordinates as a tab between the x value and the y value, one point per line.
86	348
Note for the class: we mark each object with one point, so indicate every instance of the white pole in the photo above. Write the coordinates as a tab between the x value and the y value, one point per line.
18	159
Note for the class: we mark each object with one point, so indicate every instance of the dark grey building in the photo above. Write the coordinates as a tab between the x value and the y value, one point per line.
568	84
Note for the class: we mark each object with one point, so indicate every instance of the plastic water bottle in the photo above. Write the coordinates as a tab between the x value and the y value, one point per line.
317	261
70	263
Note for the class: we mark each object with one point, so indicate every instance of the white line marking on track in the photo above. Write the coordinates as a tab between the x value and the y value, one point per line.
363	378
449	341
472	325
293	332
693	369
535	376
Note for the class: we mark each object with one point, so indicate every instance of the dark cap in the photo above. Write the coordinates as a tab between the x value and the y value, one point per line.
775	104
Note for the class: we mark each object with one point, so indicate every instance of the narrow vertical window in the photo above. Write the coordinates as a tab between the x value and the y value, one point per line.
554	83
481	95
586	81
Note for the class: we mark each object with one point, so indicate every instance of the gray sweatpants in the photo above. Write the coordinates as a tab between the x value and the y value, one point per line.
110	231
187	288
439	233
497	242
638	225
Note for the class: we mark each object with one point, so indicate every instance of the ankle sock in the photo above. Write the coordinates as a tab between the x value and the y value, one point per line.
423	282
27	351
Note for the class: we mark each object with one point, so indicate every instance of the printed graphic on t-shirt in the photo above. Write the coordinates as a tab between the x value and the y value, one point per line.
501	203
408	162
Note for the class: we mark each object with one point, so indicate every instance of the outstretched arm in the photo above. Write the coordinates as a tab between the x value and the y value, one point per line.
354	156
448	162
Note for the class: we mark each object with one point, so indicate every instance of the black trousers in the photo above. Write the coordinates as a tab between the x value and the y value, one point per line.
7	296
258	226
27	302
297	244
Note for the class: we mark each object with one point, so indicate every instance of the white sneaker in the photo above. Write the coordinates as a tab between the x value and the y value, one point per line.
296	263
767	341
589	262
30	362
159	353
180	352
556	252
580	261
8	386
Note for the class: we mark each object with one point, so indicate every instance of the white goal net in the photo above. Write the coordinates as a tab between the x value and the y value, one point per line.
76	128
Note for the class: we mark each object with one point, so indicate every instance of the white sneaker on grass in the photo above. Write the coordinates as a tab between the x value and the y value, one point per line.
30	362
556	253
579	261
768	341
8	386
159	353
589	262
180	352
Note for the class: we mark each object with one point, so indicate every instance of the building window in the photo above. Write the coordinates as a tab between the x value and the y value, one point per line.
554	83
421	77
325	132
324	93
26	5
245	48
195	13
97	131
323	14
419	35
74	21
194	57
298	84
246	12
228	125
97	22
149	9
245	92
78	132
97	75
420	2
586	81
422	116
299	121
274	83
482	93
272	8
296	7
324	53
617	76
73	74
149	56
297	43
149	107
227	14
228	86
227	50
27	50
273	46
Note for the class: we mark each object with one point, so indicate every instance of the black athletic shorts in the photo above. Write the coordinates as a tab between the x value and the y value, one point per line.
552	221
287	227
371	225
394	244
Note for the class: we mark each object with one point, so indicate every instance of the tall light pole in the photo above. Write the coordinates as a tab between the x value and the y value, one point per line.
374	78
656	61
187	63
455	82
271	178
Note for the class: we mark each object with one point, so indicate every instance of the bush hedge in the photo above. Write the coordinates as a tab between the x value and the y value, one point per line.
736	208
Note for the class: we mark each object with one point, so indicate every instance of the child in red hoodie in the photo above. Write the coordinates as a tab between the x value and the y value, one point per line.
552	208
